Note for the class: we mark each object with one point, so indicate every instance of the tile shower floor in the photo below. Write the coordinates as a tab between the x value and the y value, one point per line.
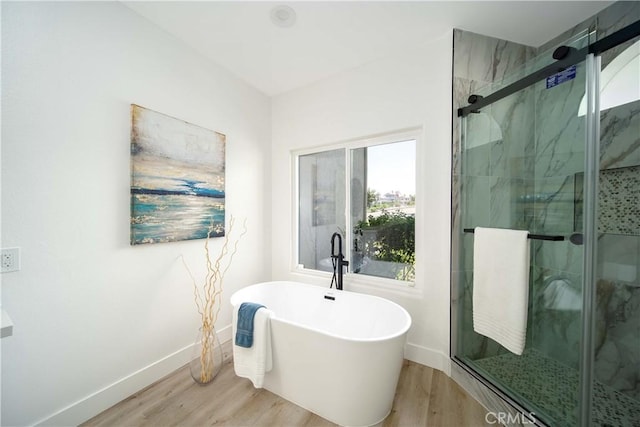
554	388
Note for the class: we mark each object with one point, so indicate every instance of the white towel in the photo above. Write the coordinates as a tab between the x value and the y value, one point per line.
501	286
255	361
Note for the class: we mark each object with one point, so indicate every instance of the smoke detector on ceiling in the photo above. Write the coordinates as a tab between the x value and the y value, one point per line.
283	16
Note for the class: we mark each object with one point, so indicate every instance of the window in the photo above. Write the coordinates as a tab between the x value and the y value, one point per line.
375	213
322	203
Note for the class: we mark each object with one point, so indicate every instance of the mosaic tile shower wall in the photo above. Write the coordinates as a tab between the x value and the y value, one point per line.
619	201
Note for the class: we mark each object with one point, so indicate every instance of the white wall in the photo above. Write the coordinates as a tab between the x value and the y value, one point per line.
96	319
411	89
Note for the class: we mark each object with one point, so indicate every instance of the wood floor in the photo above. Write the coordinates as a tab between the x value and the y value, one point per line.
424	397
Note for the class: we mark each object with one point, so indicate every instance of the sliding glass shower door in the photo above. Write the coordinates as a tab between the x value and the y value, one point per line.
524	159
548	158
523	168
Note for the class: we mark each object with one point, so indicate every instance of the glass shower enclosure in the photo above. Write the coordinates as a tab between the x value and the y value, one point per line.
539	152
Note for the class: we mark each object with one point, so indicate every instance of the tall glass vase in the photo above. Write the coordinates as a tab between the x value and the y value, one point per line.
206	360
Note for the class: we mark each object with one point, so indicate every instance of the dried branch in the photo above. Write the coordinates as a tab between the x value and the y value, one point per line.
208	297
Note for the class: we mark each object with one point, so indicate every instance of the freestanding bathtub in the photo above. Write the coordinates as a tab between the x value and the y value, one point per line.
335	353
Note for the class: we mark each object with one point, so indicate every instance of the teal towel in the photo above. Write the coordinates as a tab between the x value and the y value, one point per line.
244	330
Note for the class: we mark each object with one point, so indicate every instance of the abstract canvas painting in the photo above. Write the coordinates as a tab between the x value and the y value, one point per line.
177	179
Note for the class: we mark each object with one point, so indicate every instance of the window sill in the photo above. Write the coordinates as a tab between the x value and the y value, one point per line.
364	282
361	283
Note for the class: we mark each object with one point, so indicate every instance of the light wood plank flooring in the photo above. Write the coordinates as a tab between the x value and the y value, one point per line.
424	397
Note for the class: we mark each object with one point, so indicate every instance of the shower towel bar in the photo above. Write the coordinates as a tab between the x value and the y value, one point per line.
531	236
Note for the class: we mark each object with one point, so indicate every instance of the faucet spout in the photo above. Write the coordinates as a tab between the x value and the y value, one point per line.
338	261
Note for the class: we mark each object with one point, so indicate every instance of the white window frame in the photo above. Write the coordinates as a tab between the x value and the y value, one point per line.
349	277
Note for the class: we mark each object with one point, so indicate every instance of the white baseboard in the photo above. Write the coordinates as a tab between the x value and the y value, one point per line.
427	356
90	406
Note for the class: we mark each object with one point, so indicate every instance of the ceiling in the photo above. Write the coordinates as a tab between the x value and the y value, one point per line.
334	36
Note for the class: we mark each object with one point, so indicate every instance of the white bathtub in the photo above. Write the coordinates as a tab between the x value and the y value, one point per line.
339	358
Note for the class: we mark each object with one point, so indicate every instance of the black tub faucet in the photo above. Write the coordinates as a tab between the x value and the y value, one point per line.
337	260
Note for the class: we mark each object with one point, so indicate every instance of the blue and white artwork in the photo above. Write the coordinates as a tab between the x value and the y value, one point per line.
177	184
